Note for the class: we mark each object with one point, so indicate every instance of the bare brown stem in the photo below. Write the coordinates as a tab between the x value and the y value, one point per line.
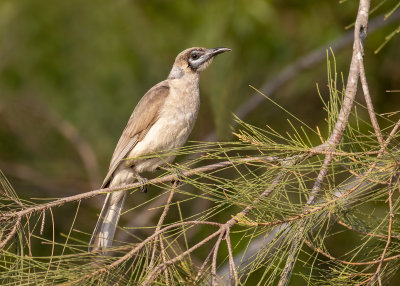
377	275
232	267
160	223
364	232
11	233
368	101
167	178
203	266
214	260
324	253
139	246
164	258
337	133
153	274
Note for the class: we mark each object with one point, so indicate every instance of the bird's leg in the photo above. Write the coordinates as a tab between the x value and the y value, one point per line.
143	181
179	177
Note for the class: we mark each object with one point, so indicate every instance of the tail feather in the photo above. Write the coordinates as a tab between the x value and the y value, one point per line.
106	225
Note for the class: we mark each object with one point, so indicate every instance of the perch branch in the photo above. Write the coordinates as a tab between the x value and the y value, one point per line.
167	178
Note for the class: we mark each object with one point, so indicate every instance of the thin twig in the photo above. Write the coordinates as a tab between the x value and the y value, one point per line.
364	232
232	267
160	223
43	222
324	253
203	266
392	133
225	227
368	101
11	233
214	260
377	275
167	178
164	258
153	274
287	225
337	133
139	246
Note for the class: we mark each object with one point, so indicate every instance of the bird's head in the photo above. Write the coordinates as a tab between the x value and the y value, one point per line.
194	60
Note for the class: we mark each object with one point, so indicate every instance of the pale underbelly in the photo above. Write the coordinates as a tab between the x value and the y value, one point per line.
160	144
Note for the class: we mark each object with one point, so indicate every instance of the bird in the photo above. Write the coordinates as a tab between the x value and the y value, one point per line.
162	120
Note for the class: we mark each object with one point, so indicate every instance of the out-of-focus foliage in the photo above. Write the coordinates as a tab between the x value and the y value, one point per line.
86	64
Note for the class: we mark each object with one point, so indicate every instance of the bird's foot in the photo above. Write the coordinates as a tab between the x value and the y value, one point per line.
178	178
144	182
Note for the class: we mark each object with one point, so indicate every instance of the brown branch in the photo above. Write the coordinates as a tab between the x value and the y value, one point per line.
232	267
392	133
222	228
139	246
203	266
167	178
377	275
214	260
368	101
11	234
364	232
337	133
164	258
159	225
365	263
152	275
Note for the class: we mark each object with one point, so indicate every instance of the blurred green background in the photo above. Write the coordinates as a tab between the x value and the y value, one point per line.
71	73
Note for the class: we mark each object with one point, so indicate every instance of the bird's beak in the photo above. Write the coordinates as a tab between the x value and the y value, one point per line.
216	51
204	61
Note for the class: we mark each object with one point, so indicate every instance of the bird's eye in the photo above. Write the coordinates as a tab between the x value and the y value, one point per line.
194	56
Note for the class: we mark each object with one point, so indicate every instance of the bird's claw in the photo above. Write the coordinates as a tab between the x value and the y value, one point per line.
178	178
143	184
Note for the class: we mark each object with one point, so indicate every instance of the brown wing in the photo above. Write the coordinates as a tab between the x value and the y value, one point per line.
142	119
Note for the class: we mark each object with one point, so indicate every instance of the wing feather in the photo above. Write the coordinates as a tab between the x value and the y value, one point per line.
142	119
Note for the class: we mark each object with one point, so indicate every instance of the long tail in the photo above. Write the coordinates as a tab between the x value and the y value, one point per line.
104	231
